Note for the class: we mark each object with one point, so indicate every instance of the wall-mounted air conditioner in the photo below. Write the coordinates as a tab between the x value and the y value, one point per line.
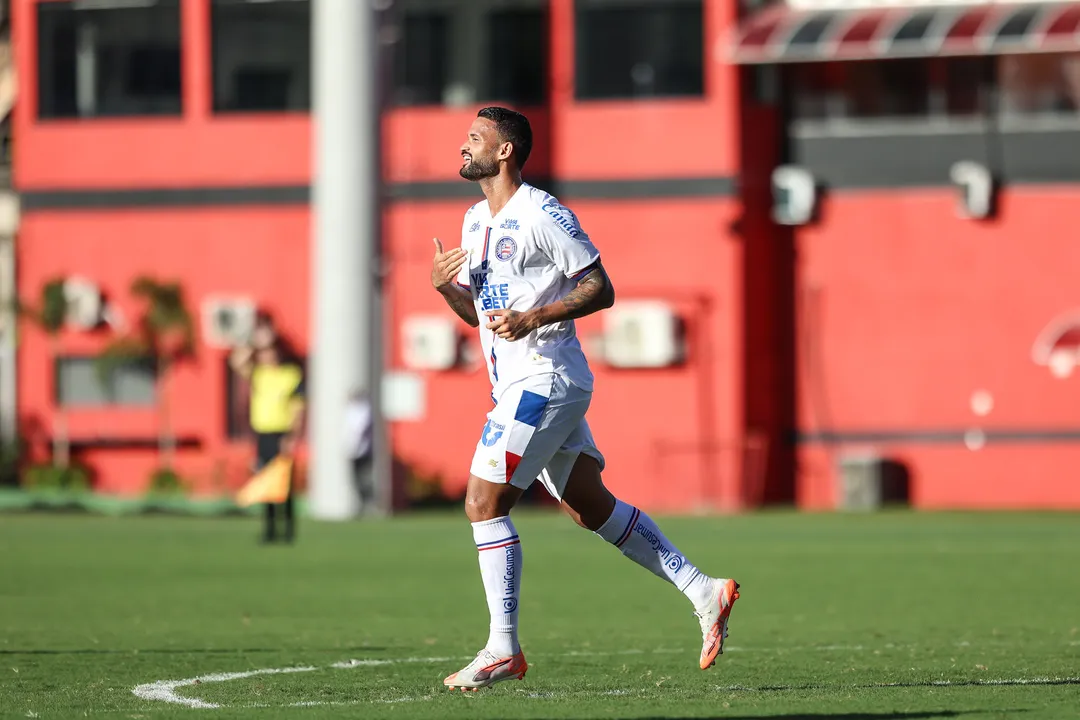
84	304
795	195
429	342
228	322
641	334
975	187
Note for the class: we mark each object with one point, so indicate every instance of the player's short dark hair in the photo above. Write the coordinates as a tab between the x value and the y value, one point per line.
514	128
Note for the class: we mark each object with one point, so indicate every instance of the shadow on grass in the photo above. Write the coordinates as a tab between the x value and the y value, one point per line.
927	714
911	684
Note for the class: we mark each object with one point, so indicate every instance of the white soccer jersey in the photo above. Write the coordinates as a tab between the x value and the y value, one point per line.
531	254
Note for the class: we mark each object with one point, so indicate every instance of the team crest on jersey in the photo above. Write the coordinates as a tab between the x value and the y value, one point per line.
505	249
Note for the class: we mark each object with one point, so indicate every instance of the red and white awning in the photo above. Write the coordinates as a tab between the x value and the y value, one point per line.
783	34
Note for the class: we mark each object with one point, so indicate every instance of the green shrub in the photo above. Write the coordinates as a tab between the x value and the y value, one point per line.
74	478
166	481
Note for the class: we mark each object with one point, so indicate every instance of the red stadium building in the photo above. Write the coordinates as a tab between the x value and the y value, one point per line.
837	231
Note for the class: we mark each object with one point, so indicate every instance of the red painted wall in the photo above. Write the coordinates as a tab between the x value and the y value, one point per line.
260	253
900	310
673	438
906	310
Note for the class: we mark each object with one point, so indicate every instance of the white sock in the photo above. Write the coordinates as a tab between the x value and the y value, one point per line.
634	532
500	568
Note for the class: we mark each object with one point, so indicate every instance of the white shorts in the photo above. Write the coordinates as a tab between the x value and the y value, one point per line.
537	429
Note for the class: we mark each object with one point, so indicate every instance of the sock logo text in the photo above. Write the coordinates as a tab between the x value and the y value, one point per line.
672	560
510	580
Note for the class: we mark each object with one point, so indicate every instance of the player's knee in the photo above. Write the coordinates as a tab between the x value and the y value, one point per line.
479	509
575	516
585	499
594	517
487	501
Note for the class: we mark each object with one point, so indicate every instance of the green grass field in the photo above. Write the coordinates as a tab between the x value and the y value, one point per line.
878	616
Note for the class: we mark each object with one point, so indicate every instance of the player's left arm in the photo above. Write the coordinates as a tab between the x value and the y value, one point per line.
593	292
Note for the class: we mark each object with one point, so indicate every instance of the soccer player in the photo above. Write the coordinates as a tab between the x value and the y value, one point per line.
525	270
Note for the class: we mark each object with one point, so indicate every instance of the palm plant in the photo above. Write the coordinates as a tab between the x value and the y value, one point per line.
49	315
163	334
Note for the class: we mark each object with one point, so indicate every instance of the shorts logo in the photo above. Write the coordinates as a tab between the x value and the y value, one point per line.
505	249
492	432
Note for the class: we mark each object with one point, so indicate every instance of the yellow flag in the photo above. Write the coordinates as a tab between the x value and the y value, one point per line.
270	485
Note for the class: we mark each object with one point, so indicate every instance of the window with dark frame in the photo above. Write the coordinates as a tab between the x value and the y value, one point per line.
963	86
100	61
261	55
939	89
459	52
1042	84
639	49
421	62
79	383
1015	88
888	88
516	65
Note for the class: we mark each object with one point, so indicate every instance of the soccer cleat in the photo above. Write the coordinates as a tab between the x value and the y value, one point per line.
714	620
487	669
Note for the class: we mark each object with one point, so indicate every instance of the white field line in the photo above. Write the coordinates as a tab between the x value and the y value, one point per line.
165	690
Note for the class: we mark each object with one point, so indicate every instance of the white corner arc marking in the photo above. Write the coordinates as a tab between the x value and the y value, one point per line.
165	690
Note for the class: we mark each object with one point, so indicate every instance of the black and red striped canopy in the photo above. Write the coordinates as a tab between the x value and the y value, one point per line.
784	34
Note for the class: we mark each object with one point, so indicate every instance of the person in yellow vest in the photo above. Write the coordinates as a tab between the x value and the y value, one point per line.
276	413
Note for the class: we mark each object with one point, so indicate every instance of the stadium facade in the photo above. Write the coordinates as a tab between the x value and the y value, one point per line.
843	234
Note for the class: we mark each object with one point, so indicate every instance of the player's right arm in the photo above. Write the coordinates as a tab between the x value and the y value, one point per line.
444	273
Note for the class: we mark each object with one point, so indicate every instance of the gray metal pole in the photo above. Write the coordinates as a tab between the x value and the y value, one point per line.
345	206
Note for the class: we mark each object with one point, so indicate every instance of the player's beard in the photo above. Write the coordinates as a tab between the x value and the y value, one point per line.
479	168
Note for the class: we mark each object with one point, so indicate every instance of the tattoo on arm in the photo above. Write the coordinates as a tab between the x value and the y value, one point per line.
460	301
589	295
593	293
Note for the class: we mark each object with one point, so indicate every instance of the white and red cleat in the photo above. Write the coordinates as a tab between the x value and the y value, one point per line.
487	669
714	620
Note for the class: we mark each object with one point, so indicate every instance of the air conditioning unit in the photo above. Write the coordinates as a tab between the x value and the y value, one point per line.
228	322
429	342
869	481
975	189
84	304
794	195
641	334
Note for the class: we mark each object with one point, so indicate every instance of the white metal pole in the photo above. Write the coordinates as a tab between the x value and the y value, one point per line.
345	208
9	387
